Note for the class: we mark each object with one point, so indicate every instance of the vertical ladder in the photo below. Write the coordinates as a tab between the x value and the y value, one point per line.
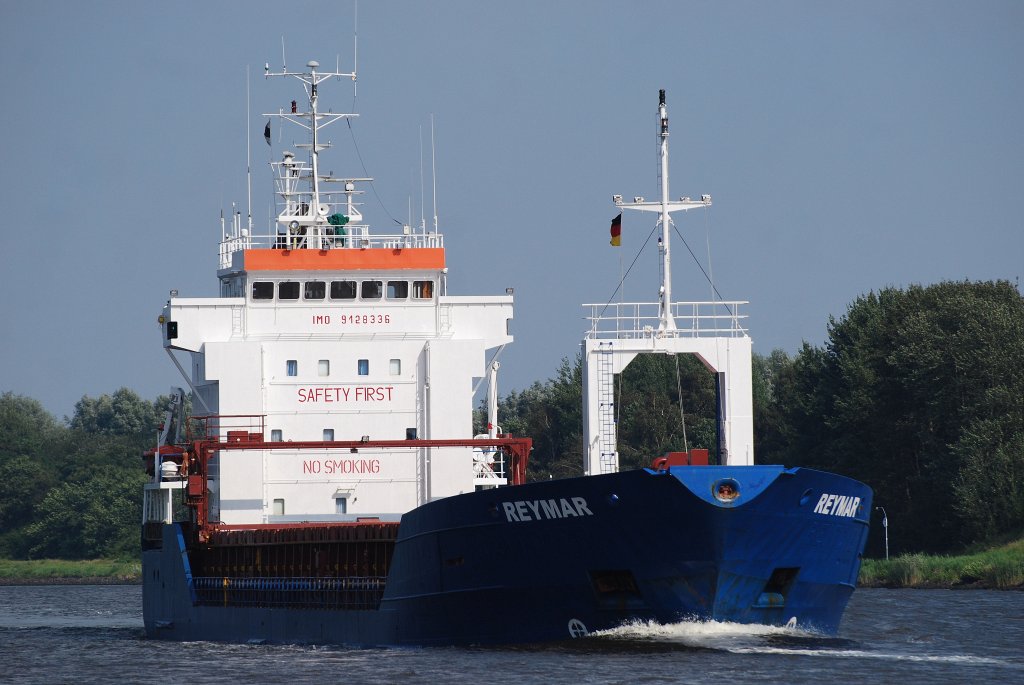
444	319
608	430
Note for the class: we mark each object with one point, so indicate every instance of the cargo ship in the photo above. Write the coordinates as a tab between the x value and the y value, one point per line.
327	485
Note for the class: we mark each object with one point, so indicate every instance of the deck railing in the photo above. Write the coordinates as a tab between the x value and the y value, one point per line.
633	320
356	237
354	592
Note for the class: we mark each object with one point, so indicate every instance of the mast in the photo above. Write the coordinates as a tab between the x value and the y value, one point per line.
305	212
666	322
665	309
314	149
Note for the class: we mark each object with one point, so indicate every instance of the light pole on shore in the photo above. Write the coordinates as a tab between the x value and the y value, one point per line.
885	527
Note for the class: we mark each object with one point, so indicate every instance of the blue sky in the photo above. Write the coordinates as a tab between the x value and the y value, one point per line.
848	147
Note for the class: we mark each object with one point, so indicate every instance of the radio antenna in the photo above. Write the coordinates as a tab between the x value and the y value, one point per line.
355	48
433	170
248	146
284	62
423	210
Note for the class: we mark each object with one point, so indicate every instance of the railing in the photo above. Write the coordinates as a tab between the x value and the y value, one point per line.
354	592
634	320
233	428
489	467
356	237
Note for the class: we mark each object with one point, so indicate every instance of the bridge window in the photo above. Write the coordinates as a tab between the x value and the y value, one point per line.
288	290
364	367
262	290
422	290
396	367
398	290
292	367
315	290
328	434
371	290
343	290
323	367
276	435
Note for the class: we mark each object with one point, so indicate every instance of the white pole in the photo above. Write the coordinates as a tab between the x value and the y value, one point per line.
423	203
492	400
885	527
433	171
667	322
248	148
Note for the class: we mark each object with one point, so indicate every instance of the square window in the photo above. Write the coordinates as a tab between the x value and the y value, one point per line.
395	367
343	290
292	367
398	290
288	291
278	507
422	290
340	505
323	368
315	290
263	290
276	435
364	367
371	290
328	434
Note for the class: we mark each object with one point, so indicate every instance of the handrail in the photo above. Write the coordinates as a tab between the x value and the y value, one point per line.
208	435
631	320
356	237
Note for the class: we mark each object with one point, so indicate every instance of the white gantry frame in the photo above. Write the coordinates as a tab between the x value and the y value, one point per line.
711	330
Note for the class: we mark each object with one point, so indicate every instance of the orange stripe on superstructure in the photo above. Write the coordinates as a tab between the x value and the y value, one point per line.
344	259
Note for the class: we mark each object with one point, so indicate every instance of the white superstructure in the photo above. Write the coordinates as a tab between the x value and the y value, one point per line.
333	333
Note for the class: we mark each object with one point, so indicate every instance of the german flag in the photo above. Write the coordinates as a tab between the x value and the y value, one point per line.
617	231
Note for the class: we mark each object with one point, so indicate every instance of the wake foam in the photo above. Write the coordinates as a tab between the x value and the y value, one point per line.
743	638
700	632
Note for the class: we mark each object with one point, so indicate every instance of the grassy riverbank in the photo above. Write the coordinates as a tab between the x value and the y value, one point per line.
999	568
60	571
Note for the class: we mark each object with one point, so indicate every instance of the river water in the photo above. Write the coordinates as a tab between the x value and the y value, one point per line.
93	634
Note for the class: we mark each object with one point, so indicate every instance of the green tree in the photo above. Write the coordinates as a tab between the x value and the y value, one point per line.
666	403
551	414
771	376
919	393
98	517
989	486
25	427
24	482
123	413
650	420
73	492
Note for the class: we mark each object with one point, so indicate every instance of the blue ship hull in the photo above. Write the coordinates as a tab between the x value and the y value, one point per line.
558	559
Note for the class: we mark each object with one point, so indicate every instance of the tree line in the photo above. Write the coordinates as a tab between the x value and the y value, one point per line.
918	392
73	489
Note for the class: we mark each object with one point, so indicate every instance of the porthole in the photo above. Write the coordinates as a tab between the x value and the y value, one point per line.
726	490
